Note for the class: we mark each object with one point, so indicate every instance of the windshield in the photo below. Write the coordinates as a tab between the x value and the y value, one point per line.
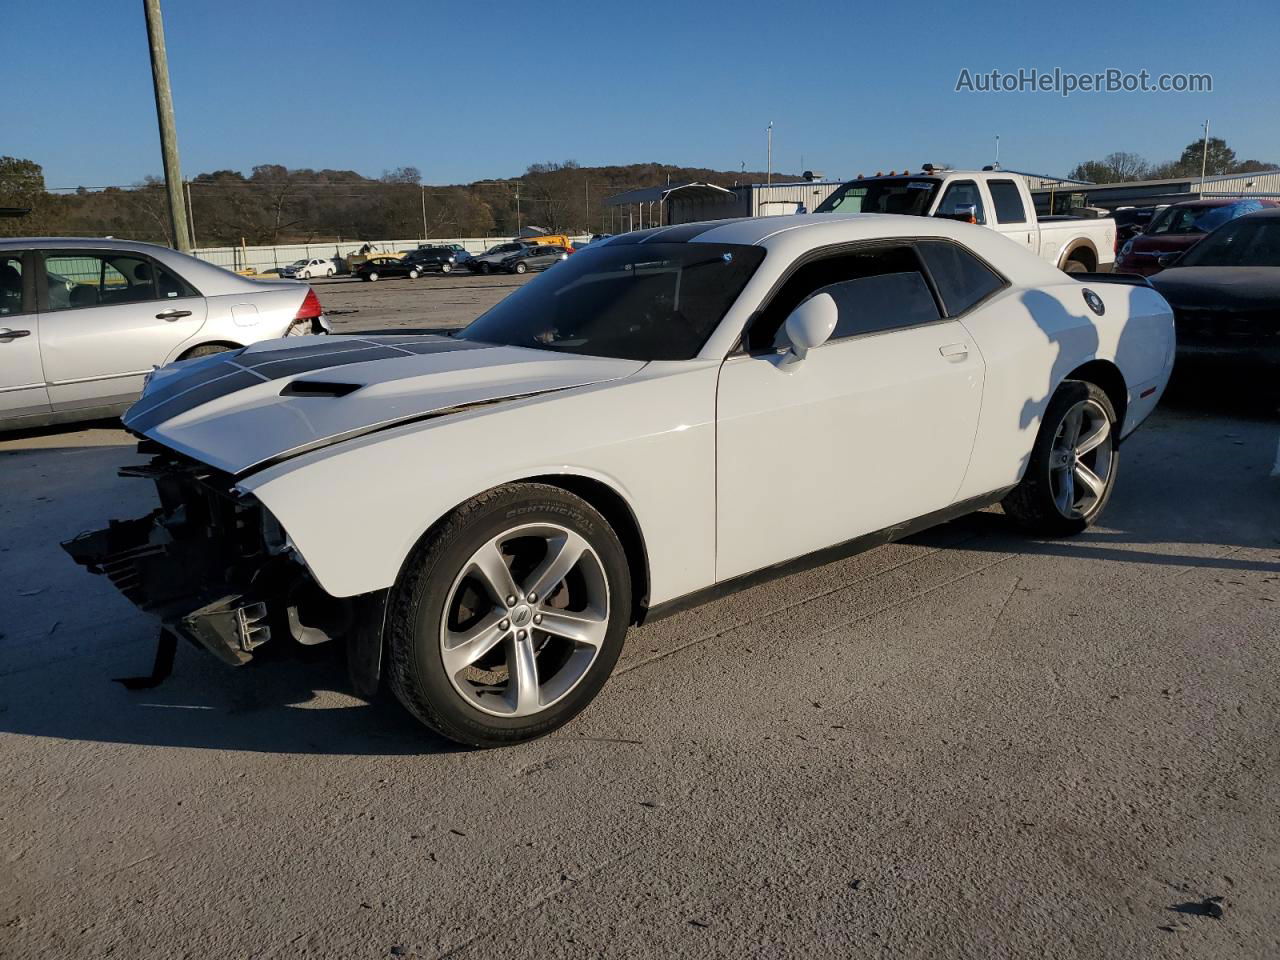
1244	243
909	195
1175	221
650	301
299	263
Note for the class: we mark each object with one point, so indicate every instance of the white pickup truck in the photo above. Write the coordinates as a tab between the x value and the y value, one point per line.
997	199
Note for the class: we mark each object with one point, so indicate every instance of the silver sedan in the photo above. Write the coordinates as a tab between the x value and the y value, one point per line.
82	322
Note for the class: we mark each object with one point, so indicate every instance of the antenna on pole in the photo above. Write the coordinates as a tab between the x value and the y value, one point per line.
769	174
1204	155
997	151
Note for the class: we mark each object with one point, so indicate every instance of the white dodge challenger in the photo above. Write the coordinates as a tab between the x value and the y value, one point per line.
667	415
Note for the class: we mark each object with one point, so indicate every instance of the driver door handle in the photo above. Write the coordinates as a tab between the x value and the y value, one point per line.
955	352
172	314
7	334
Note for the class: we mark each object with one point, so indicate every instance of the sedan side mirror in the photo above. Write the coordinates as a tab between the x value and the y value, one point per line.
810	325
1168	260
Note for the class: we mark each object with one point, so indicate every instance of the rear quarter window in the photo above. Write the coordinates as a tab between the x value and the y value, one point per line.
962	279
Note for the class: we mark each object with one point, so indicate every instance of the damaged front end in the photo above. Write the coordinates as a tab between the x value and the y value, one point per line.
212	564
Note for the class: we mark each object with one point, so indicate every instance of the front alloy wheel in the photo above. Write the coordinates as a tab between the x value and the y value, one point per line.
509	616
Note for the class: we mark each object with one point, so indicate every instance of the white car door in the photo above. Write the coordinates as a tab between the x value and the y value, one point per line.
22	389
109	317
1012	218
872	428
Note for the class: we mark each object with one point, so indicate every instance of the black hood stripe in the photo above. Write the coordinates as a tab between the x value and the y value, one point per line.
241	369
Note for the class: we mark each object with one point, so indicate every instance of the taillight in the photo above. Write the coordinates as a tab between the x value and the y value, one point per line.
310	308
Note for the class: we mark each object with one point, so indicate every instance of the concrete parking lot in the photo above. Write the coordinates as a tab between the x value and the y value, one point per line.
968	744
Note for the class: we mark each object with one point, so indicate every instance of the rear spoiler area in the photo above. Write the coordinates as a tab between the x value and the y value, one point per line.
1128	279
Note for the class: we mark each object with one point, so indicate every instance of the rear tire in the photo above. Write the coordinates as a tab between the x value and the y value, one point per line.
206	350
446	267
521	597
1073	464
1075	266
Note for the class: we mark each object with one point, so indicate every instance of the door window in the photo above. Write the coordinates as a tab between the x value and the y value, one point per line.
961	278
11	285
80	279
1008	201
876	288
960	195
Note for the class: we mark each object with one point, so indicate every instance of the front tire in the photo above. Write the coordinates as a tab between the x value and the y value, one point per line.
413	274
372	276
521	267
446	267
508	616
484	269
1073	464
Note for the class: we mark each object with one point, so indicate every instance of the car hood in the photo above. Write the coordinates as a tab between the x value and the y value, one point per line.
240	410
1230	288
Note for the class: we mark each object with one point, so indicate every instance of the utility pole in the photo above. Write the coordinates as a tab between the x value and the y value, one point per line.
769	174
1204	155
191	216
168	132
424	211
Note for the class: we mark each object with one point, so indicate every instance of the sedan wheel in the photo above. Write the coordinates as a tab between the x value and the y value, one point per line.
509	617
372	275
522	267
413	274
1072	469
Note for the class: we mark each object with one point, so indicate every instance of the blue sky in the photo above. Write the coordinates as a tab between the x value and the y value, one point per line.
370	86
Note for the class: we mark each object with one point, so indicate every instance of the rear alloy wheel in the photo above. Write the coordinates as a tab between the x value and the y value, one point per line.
521	267
509	616
1073	464
1075	266
446	267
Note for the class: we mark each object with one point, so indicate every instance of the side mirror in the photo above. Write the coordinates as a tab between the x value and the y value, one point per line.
1166	260
810	325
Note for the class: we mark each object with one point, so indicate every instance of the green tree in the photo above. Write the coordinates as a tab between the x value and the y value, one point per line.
22	186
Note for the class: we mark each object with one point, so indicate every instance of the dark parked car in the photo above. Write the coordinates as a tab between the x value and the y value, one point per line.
534	258
388	266
441	259
1225	292
1179	227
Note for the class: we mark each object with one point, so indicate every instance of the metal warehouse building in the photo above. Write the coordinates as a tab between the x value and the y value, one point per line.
691	202
1061	195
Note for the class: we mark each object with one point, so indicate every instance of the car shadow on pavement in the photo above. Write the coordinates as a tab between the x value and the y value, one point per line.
279	706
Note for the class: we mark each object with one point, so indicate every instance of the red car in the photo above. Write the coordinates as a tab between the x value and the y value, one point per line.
1179	227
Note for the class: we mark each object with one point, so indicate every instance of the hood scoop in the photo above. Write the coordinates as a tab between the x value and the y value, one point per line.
318	388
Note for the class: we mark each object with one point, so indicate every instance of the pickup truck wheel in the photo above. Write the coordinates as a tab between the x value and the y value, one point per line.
1075	266
1072	469
508	616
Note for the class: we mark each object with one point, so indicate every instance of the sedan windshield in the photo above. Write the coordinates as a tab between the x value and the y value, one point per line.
1242	243
632	301
908	195
1173	221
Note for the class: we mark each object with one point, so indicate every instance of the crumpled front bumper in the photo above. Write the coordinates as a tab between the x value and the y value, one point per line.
147	565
